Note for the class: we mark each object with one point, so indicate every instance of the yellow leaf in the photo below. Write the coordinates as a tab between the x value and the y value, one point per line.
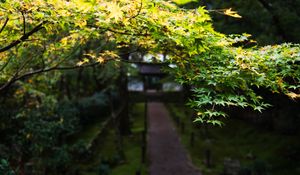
199	113
64	40
81	23
231	13
293	95
182	2
86	60
28	136
100	60
115	11
109	54
222	43
80	63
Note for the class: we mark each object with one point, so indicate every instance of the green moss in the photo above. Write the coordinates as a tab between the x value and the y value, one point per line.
106	150
91	132
88	132
238	140
133	160
133	145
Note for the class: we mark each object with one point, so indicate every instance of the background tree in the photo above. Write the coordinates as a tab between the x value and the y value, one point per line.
269	22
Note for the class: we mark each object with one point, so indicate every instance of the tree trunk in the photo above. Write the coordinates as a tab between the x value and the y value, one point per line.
124	118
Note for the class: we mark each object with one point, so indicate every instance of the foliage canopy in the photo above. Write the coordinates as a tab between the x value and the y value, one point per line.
45	35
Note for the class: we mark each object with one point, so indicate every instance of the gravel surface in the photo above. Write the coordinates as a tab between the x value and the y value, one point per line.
166	154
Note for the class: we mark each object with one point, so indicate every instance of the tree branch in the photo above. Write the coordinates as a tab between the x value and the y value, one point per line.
2	28
17	77
123	32
24	23
5	64
139	11
38	71
23	38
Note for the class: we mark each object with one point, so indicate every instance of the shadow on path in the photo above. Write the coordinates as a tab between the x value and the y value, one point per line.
166	154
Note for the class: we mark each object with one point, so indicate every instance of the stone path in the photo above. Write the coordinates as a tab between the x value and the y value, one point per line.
166	154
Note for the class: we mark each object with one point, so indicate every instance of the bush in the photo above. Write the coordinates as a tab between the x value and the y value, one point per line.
5	168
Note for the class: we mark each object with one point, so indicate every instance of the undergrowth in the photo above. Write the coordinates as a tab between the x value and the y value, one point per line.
258	150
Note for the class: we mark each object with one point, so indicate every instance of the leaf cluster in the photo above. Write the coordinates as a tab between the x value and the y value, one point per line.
40	35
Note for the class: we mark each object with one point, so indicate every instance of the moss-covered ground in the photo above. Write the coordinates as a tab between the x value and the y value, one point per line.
115	155
133	145
257	149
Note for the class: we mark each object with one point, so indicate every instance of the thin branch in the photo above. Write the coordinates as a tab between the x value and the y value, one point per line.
4	66
24	23
124	32
133	62
2	28
23	65
16	74
56	67
28	74
139	11
23	38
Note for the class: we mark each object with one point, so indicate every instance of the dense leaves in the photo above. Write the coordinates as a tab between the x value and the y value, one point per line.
5	168
41	36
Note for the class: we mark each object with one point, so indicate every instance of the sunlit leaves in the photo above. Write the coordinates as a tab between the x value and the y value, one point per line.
99	57
229	79
80	32
182	2
85	60
115	11
107	55
228	12
232	13
293	95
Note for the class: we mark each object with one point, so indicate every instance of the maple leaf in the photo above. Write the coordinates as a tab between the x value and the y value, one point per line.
81	23
100	60
293	95
232	13
115	11
80	63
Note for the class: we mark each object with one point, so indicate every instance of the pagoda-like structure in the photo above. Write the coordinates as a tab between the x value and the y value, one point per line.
152	73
